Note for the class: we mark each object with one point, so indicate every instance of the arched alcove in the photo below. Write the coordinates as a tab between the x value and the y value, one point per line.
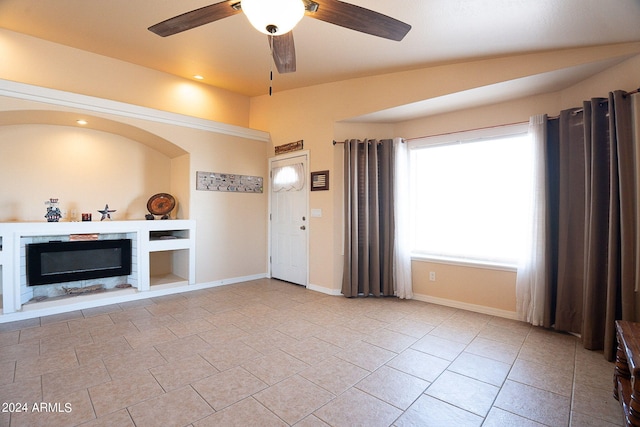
47	154
64	118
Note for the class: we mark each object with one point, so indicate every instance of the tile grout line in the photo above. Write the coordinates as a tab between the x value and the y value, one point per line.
327	322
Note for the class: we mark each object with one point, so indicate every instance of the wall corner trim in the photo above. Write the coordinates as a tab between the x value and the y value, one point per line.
99	105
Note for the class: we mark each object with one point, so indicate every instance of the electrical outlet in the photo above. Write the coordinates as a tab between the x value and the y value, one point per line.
432	276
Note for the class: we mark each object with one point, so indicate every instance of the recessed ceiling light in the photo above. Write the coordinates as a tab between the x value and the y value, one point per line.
81	122
198	77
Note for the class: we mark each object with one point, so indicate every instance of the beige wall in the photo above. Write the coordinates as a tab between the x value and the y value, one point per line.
472	286
232	229
85	169
495	288
320	114
37	62
624	76
231	238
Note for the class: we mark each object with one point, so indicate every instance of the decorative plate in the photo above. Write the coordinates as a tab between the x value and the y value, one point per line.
161	204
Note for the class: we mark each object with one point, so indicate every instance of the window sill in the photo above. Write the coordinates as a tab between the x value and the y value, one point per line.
489	265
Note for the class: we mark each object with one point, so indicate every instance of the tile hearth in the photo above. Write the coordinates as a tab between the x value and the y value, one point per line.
271	353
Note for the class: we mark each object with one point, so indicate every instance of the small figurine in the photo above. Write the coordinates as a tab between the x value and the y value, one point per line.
53	211
106	212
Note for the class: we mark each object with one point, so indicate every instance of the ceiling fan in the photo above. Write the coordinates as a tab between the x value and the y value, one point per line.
276	18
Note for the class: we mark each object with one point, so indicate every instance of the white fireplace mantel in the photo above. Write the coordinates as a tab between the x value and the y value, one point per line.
177	237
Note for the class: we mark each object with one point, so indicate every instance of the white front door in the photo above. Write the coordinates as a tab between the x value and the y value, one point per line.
289	222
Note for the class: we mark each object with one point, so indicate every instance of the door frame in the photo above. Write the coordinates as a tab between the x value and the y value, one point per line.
271	160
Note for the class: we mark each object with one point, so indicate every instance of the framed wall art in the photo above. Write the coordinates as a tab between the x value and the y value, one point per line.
319	180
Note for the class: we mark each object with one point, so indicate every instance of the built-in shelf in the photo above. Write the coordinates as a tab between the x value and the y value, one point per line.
168	234
166	237
163	254
167	279
169	245
168	265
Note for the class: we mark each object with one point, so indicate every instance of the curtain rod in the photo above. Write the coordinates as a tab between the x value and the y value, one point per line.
449	133
580	110
466	130
367	140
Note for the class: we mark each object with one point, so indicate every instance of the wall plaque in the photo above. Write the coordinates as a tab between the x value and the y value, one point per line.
214	181
292	146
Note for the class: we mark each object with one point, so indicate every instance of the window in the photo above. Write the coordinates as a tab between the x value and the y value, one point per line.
470	193
288	178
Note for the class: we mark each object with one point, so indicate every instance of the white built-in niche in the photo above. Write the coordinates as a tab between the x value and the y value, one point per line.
163	257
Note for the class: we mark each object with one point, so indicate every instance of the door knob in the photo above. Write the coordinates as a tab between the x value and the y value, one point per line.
302	227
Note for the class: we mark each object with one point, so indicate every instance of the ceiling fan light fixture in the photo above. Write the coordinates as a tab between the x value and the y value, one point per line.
273	17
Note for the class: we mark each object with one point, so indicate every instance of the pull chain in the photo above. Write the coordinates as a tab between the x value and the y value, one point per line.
271	65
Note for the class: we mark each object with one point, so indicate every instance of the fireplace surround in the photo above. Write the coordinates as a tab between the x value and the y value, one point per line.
162	262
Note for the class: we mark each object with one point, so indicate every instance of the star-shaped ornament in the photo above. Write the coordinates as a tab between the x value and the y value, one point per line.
106	212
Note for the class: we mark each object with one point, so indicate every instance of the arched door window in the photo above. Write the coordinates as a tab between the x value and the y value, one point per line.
288	178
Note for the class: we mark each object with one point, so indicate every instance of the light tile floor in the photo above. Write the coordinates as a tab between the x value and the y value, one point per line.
268	353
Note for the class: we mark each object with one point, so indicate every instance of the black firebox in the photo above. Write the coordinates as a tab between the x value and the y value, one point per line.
57	262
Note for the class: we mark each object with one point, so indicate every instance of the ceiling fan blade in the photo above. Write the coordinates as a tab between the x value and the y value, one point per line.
359	19
284	52
195	18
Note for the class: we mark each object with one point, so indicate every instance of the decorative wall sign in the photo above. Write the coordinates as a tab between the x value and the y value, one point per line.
212	181
319	180
292	146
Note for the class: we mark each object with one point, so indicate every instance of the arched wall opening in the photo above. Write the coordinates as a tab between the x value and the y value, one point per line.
47	154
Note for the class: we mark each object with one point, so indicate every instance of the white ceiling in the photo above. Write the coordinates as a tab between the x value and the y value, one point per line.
231	54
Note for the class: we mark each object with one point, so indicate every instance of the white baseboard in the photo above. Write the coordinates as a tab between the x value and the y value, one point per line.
435	300
322	289
467	306
230	281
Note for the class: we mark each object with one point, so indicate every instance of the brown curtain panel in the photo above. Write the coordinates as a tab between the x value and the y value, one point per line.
369	219
591	220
